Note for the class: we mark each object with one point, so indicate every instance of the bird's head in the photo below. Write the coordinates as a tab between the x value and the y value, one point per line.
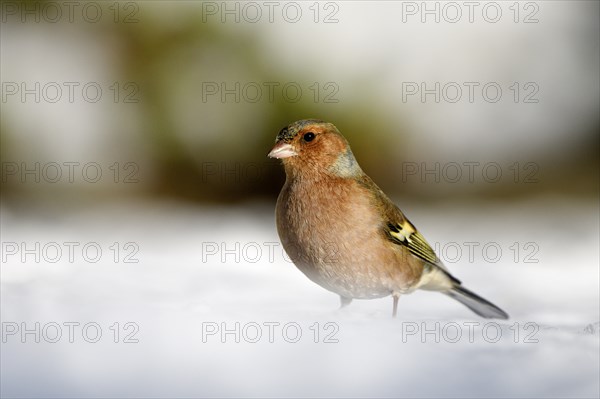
311	146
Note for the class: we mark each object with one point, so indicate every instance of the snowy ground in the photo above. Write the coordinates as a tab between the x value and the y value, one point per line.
202	271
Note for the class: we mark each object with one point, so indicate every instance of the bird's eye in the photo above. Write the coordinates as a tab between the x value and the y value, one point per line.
310	136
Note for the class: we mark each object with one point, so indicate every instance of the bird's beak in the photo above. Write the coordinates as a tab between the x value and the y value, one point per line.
282	150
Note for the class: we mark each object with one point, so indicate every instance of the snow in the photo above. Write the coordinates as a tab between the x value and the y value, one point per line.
202	272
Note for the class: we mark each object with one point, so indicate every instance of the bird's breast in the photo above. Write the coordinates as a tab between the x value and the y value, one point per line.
332	233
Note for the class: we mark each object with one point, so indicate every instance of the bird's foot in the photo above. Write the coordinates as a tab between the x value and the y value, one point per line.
344	301
395	296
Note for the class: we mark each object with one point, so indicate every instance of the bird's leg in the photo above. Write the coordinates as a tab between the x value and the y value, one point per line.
395	296
344	301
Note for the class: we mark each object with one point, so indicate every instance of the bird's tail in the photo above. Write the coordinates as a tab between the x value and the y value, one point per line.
476	303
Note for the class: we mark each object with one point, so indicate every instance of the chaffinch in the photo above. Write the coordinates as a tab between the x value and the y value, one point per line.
345	234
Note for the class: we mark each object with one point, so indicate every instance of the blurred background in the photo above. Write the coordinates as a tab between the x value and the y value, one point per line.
147	124
194	93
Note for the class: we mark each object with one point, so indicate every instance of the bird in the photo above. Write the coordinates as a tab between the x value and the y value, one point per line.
345	234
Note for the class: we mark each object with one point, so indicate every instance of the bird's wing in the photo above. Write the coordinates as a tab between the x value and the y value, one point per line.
402	232
399	230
